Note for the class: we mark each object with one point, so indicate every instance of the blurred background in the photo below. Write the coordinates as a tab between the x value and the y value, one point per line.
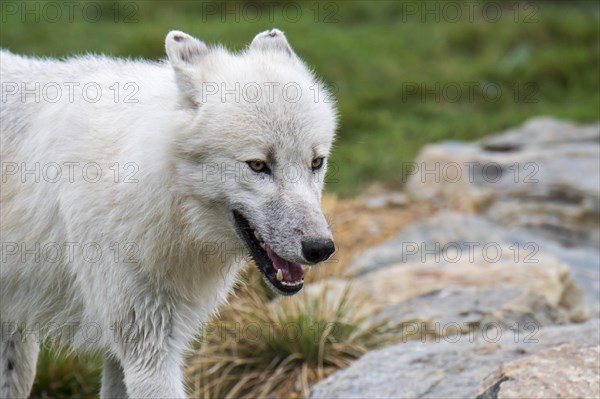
405	74
383	60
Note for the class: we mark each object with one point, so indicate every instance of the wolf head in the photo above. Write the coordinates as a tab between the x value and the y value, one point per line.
253	155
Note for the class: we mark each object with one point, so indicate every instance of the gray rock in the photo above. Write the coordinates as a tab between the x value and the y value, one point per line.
444	369
540	131
566	371
466	310
471	326
543	176
387	200
426	239
432	239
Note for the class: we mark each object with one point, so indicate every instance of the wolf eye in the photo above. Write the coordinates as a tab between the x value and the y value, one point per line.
317	163
258	166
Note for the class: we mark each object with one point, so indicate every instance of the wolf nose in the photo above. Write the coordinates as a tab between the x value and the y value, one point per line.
317	250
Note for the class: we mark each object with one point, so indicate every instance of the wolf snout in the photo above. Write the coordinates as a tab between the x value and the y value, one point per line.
317	250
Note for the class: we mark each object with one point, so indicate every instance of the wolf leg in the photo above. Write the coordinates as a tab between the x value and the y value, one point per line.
113	380
18	358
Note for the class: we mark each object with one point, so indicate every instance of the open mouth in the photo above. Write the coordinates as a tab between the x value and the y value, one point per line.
284	277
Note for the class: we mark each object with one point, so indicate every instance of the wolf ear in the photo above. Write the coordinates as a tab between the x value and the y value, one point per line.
272	40
185	56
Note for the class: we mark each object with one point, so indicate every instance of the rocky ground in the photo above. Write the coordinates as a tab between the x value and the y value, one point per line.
496	285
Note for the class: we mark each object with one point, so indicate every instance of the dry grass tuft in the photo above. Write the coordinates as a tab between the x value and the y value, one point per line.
262	348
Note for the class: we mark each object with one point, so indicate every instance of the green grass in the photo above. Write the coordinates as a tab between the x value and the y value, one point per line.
373	53
61	375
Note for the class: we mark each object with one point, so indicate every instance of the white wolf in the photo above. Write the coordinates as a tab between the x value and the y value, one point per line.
132	192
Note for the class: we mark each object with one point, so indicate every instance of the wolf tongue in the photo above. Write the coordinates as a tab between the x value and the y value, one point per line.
291	271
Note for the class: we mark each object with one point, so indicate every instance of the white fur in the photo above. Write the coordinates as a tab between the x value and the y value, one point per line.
182	147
